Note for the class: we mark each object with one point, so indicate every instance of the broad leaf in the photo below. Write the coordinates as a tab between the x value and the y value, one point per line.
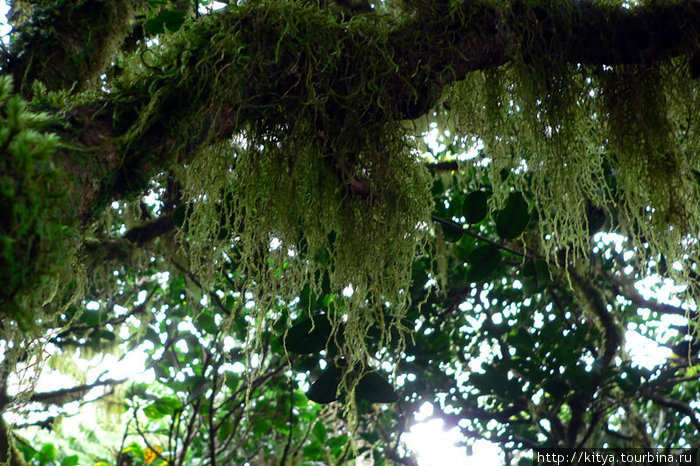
483	261
325	389
375	389
512	220
474	206
166	20
308	336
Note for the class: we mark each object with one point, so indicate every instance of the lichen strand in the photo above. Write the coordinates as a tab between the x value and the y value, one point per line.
575	138
37	232
327	172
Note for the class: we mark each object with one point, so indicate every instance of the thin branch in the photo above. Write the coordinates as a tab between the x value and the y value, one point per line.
74	392
145	440
291	416
136	310
121	447
189	431
677	405
456	227
630	292
212	431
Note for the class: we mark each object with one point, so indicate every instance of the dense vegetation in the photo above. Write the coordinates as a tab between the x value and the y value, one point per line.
247	198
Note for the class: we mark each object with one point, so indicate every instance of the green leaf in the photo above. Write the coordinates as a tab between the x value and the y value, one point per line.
205	321
512	220
93	318
320	432
47	453
474	206
302	339
337	444
313	451
535	276
166	405
71	460
201	385
483	261
452	234
438	187
375	389
325	389
168	19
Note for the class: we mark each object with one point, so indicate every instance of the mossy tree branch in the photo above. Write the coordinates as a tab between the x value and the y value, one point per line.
427	54
67	45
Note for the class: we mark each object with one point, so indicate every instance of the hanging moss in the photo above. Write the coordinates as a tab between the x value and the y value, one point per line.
49	35
326	173
621	139
329	236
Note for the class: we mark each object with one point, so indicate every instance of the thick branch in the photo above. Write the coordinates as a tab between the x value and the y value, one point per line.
594	302
628	291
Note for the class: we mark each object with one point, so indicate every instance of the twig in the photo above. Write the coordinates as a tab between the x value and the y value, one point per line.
145	440
291	416
121	447
631	293
677	405
459	228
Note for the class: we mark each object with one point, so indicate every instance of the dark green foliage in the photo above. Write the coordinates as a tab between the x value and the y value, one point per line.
167	20
536	276
375	389
308	335
474	207
325	389
512	220
483	261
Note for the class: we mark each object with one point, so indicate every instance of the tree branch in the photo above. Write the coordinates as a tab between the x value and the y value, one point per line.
428	53
677	405
594	302
73	393
456	227
150	230
630	292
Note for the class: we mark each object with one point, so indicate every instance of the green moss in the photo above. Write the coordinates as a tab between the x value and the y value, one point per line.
67	45
36	230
